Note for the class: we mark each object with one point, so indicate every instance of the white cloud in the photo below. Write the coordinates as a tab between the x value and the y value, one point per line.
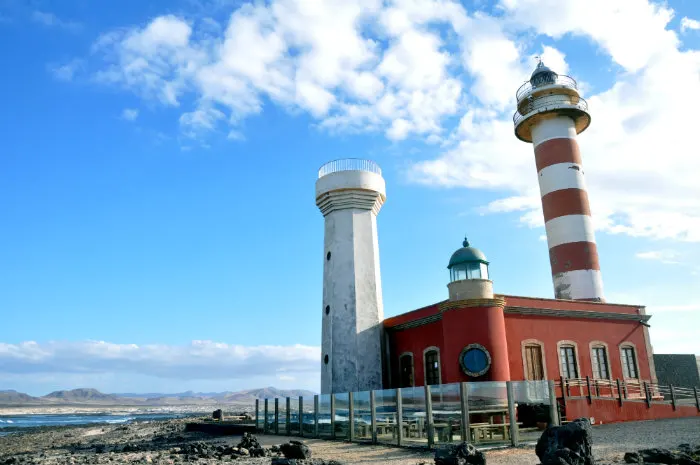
664	256
51	20
689	24
203	360
407	68
130	114
66	71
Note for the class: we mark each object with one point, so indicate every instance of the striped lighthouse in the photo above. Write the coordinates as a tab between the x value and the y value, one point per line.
550	114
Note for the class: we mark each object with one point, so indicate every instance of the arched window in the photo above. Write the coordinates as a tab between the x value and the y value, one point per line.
406	370
533	360
628	358
600	361
431	365
568	359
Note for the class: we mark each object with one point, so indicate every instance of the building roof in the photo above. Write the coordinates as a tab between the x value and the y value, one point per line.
467	254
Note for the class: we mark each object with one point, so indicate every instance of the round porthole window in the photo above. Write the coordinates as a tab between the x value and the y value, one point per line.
475	360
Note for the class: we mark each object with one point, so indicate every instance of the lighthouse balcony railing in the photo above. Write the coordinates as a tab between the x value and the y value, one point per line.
349	164
549	103
564	81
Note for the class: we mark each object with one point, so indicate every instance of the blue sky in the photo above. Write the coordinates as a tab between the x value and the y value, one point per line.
158	166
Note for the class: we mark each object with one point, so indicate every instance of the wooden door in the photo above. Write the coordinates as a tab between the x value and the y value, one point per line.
533	363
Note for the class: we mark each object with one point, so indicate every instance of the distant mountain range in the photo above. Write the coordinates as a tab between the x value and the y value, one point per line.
89	396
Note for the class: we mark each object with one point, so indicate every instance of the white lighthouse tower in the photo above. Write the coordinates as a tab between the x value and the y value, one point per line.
349	194
550	114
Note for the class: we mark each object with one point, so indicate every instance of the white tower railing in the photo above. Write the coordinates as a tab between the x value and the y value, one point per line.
349	164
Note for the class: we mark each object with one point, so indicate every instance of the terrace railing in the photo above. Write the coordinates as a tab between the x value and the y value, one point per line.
349	164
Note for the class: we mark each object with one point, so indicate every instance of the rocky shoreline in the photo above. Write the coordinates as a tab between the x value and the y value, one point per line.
167	442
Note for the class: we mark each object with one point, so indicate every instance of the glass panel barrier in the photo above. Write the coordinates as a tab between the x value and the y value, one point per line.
532	408
260	415
282	418
447	413
488	412
342	415
414	419
362	416
270	415
324	416
308	416
294	415
385	405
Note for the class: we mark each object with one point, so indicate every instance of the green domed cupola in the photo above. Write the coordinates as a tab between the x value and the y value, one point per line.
468	263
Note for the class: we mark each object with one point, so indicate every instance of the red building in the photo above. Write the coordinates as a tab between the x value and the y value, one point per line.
478	336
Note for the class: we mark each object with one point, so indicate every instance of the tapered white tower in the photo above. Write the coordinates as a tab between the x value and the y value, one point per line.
550	114
350	194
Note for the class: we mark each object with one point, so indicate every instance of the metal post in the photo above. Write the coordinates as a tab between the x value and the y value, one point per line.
351	417
563	390
553	414
619	391
266	423
514	435
288	417
373	416
301	416
464	406
277	415
257	415
399	417
316	415
673	396
333	416
697	398
647	394
588	385
429	416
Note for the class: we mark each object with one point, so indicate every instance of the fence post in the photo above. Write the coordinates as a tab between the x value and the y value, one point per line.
301	416
257	415
351	417
697	398
429	416
399	418
553	414
288	417
373	416
588	386
647	394
464	405
333	416
514	435
316	415
619	391
277	415
266	425
563	390
673	396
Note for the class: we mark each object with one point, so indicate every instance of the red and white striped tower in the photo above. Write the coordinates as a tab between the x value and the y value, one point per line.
550	114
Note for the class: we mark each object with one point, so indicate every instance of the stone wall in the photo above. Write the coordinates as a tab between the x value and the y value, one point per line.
677	369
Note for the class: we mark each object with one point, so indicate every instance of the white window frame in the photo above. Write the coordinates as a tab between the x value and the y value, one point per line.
630	345
425	367
573	344
598	344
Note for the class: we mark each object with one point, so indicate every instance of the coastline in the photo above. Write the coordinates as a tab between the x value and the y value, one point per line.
87	409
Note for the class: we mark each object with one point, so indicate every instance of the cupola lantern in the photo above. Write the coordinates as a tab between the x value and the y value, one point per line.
469	274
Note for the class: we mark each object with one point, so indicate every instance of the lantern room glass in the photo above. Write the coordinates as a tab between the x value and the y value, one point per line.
469	271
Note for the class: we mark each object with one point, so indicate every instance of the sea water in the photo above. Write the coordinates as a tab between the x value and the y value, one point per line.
14	423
